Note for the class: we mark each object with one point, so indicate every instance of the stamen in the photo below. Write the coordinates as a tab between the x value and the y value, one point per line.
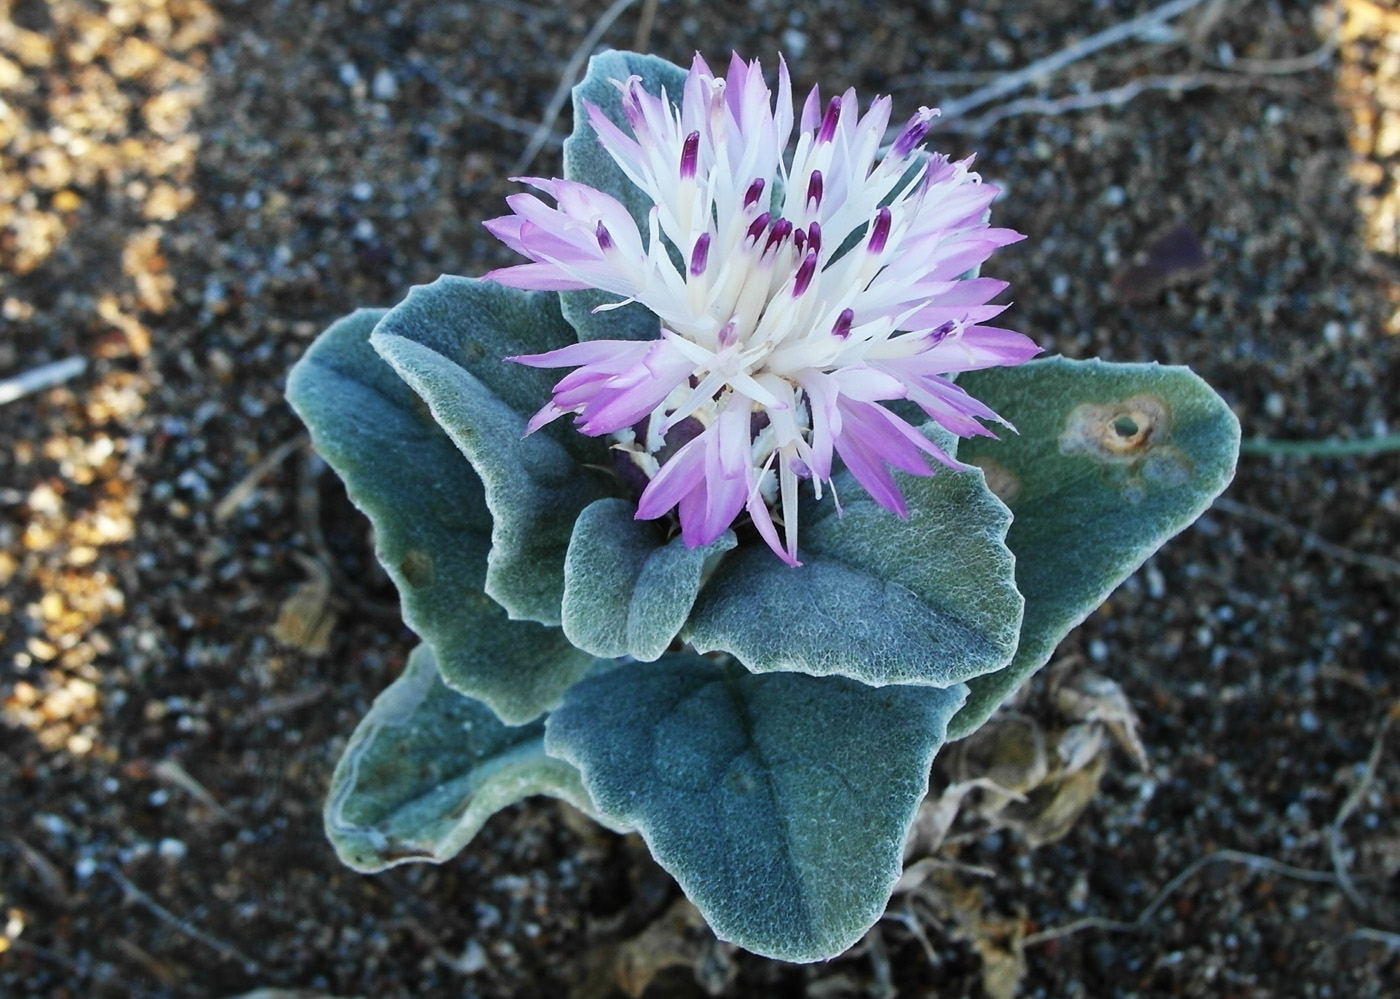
690	155
880	231
757	226
632	105
814	237
754	192
605	240
699	257
782	229
799	239
804	275
842	328
814	190
913	133
828	129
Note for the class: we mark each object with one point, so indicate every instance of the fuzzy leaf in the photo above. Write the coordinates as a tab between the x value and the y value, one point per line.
927	600
448	341
627	591
1111	461
432	529
427	767
780	802
587	162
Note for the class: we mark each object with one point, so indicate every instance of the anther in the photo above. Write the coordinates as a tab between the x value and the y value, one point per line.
805	274
690	155
827	132
699	257
782	229
880	231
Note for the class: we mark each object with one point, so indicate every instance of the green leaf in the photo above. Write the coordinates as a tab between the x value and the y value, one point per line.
427	767
927	600
1111	461
432	529
448	341
626	590
588	163
780	802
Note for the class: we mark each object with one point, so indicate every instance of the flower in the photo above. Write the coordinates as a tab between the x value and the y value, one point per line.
795	296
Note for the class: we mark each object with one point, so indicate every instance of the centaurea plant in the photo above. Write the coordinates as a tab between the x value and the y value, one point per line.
760	330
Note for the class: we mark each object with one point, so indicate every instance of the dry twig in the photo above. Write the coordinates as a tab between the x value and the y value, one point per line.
1252	860
1310	539
1284	66
1006	85
240	493
645	22
566	83
225	950
1116	96
1352	802
101	974
40	378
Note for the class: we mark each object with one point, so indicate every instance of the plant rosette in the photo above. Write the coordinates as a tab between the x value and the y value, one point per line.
751	333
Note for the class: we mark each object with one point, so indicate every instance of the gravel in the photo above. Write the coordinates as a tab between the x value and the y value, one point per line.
188	194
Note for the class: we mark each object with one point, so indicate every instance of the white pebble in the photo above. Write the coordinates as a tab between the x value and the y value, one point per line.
172	849
794	43
385	86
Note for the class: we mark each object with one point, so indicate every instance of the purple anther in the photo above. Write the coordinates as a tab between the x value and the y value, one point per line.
799	239
757	226
782	229
754	192
632	94
699	257
690	155
827	132
814	190
805	273
814	237
605	240
912	135
842	327
880	231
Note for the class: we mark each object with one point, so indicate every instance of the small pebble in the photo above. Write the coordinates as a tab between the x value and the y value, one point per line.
794	43
172	849
385	87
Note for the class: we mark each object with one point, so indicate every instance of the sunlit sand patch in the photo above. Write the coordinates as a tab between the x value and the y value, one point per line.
1368	88
95	127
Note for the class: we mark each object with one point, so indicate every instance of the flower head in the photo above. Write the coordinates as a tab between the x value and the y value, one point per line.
795	296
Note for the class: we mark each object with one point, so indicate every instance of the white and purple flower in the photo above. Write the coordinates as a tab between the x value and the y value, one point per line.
809	291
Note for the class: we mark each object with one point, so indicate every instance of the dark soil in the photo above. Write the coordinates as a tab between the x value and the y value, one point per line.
188	193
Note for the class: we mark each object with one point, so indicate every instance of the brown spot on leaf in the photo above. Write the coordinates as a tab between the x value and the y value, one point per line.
417	568
1003	482
1117	431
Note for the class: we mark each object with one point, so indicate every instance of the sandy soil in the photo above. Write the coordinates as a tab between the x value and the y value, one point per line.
189	191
